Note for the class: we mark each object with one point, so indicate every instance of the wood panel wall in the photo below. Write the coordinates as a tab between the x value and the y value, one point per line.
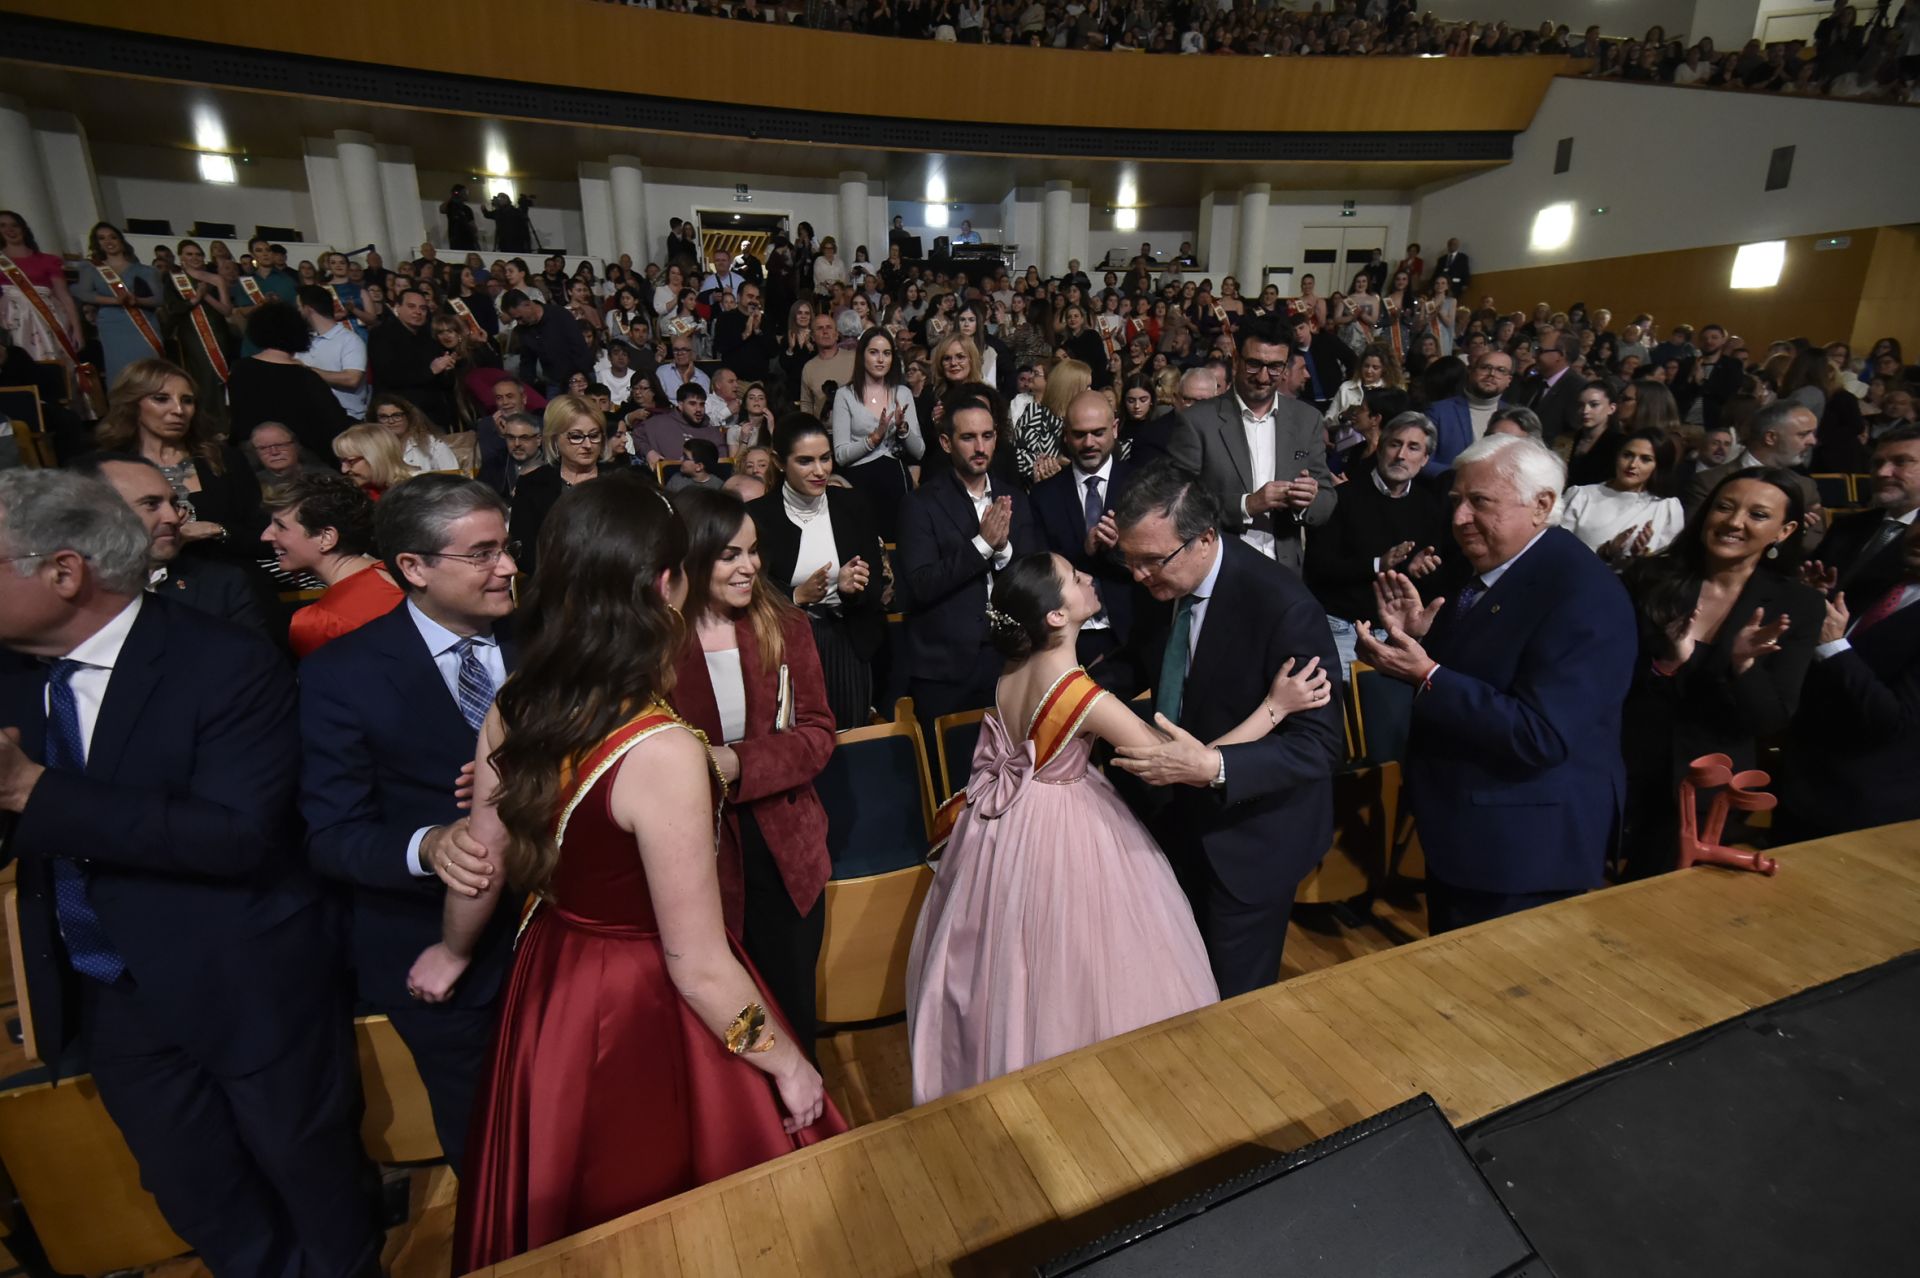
1864	291
583	44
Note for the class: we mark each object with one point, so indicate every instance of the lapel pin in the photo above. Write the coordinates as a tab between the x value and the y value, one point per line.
179	584
1494	611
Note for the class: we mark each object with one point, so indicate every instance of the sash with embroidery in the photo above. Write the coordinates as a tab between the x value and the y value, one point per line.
86	375
256	296
461	309
124	295
339	307
1058	720
197	311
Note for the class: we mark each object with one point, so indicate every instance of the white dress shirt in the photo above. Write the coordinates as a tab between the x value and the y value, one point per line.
729	692
97	655
1105	490
1492	575
441	643
999	558
1202	596
1261	448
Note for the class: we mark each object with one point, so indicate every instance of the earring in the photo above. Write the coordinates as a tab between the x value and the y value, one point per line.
1773	551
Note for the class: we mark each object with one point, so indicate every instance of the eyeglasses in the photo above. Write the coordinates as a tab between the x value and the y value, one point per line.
580	437
31	554
479	558
1279	368
1155	563
390	417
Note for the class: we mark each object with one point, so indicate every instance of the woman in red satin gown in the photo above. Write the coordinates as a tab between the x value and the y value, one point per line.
610	1086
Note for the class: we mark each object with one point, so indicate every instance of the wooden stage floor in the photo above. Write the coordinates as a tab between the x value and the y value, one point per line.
1030	1165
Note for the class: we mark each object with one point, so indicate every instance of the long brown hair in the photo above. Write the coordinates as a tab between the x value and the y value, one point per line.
600	649
119	430
712	519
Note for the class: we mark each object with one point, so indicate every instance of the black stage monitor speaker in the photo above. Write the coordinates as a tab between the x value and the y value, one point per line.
149	226
1392	1196
214	230
278	234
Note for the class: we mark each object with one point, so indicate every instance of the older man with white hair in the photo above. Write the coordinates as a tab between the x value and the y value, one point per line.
1513	764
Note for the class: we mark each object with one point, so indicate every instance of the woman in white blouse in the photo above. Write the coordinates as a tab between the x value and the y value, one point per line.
876	430
1377	368
1620	519
421	447
828	269
818	547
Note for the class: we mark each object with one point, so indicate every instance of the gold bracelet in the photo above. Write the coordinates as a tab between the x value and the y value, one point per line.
749	1032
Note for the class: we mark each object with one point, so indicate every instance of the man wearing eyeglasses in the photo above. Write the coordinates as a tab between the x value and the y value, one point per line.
389	715
1262	453
1465	417
1242	824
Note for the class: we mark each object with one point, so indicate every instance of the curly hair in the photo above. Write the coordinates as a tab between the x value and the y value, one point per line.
319	500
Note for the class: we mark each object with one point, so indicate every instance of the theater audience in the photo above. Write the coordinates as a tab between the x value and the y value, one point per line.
323	525
1385	521
371	457
1074	513
749	678
1624	518
1725	637
818	546
1519	680
957	529
577	451
421	448
210	585
1780	437
876	430
188	956
663	436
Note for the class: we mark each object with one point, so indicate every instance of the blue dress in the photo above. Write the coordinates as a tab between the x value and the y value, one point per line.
120	341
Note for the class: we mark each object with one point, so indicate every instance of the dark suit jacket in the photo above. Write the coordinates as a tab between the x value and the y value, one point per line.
1453	427
1513	763
1863	578
400	362
184	822
221	590
1334	361
1852	756
853	537
1060	509
384	742
1721	385
1216	450
1153	439
776	768
941	578
1456	268
1273	820
1558	406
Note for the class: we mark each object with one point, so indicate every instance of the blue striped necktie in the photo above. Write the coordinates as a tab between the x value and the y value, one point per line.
476	685
88	947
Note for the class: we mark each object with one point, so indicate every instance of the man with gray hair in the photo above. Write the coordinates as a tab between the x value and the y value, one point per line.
1513	765
1518	422
1553	388
1387	520
1782	436
148	760
389	715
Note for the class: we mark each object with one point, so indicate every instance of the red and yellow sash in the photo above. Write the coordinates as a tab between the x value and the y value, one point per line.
256	296
339	307
461	310
86	375
124	295
197	312
1057	721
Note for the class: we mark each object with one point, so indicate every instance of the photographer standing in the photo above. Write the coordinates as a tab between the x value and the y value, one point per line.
512	223
461	230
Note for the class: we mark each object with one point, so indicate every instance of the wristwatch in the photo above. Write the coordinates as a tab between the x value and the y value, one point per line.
1220	774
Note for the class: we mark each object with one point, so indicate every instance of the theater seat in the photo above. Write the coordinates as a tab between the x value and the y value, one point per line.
1369	844
1836	490
397	1125
955	735
862	973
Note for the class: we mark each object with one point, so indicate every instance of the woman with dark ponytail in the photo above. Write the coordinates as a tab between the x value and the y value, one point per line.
1054	920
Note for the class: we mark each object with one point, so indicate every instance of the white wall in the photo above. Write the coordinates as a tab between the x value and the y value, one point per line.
1292	210
159	182
1613	17
1703	183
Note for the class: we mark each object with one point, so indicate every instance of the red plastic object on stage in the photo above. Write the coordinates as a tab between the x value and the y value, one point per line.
1741	790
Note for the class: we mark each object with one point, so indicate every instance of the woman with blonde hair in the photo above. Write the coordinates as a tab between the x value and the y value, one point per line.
153	411
579	449
1039	435
421	448
956	361
370	455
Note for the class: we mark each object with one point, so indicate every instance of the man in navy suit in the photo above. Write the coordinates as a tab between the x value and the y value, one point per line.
1242	824
1465	417
390	714
1075	512
1513	765
168	925
957	529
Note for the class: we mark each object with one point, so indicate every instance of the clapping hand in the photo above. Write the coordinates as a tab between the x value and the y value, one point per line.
996	526
18	773
853	576
814	588
1104	535
1680	638
1819	576
1419	562
1758	638
1397	600
1424	563
1628	543
1301	491
1047	466
1834	628
1400	657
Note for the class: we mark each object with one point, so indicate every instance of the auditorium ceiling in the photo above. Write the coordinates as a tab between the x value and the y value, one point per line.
130	110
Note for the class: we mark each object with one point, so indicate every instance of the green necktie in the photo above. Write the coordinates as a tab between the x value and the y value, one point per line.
1173	666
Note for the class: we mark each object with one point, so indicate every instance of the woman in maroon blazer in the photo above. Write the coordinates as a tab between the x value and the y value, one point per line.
749	677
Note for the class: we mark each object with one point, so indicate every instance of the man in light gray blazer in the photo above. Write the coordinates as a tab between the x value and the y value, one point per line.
1262	452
